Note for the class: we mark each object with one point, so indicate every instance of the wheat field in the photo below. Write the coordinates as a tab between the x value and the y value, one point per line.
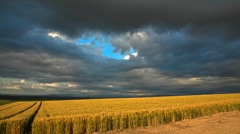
100	115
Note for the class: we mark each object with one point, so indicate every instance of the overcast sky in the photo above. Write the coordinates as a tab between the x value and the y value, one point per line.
108	48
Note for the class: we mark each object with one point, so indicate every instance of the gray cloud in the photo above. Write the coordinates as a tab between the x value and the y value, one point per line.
179	54
184	47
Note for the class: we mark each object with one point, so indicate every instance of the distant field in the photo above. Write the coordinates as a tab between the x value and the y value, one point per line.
99	115
3	102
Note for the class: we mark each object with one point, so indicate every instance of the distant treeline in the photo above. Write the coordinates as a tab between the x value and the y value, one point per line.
69	97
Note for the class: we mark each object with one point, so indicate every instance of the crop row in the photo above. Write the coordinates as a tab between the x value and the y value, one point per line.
20	123
9	112
7	106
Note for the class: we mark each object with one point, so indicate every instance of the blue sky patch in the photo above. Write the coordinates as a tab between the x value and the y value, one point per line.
102	42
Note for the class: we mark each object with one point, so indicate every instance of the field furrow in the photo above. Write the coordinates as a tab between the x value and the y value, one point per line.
20	123
9	112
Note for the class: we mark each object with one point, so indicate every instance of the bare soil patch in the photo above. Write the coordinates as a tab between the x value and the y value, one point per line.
222	123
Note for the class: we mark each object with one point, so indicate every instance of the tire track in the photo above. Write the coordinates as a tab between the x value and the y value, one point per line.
29	128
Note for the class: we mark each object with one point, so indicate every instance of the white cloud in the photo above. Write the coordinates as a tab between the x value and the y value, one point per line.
135	54
15	87
71	85
189	81
55	35
44	85
141	35
22	81
50	84
86	91
127	57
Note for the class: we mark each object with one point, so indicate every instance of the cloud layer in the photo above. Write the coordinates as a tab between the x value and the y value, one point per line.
181	47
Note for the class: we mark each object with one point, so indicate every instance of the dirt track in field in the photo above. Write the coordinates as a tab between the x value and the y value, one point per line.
223	123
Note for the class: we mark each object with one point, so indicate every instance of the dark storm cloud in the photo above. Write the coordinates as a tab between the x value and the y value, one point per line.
184	47
71	18
74	17
122	15
19	17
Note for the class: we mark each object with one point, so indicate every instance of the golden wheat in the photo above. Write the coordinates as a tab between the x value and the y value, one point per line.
93	106
19	124
6	113
7	106
98	115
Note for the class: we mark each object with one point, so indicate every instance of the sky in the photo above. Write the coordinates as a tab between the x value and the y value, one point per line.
119	48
